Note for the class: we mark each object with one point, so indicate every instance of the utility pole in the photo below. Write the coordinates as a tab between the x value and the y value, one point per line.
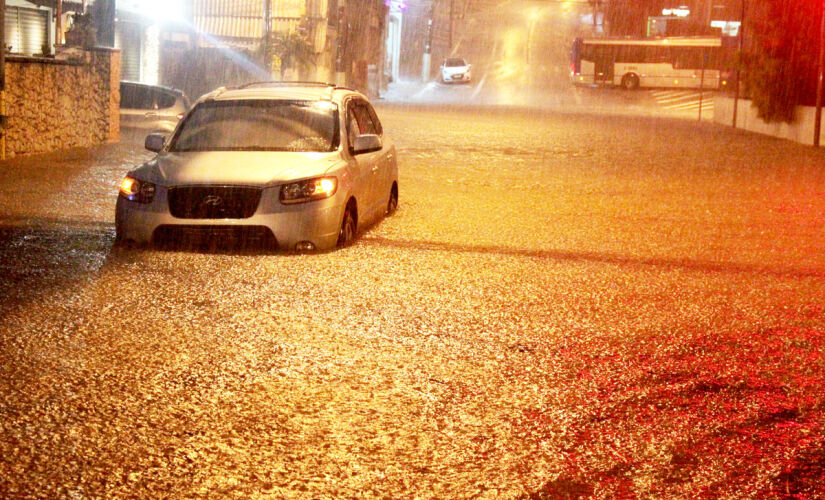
595	4
106	24
3	79
821	69
428	44
452	2
738	71
341	49
267	38
58	23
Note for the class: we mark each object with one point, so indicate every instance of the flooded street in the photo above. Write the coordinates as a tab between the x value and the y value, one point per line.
564	304
585	292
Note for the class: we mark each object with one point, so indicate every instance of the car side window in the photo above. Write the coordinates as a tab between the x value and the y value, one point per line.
127	95
165	100
361	119
353	128
362	113
136	97
376	123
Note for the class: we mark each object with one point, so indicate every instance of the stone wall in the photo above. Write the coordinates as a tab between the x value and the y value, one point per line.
52	105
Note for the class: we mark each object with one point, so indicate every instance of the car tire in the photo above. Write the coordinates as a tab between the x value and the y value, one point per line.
392	203
349	227
630	81
120	241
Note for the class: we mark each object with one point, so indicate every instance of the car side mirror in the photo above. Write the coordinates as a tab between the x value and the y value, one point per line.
366	143
155	142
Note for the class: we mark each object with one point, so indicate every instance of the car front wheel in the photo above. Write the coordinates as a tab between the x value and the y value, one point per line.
392	204
348	227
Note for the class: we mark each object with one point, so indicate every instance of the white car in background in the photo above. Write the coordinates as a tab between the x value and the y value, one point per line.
456	69
295	166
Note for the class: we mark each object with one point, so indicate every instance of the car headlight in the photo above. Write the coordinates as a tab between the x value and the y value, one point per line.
135	190
309	190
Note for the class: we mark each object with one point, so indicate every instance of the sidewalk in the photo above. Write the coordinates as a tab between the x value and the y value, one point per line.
407	91
78	184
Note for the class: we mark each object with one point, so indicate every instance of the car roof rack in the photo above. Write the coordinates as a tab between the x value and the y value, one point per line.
286	83
293	83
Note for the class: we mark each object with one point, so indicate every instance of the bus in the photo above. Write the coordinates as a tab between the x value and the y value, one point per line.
673	62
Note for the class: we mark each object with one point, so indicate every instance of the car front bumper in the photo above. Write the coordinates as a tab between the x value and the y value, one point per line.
458	77
317	222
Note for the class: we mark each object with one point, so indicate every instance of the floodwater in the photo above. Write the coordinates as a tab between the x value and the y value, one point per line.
571	301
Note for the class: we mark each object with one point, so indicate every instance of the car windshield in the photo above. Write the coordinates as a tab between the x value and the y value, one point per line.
259	125
455	62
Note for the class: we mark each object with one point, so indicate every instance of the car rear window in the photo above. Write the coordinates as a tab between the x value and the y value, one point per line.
453	62
259	125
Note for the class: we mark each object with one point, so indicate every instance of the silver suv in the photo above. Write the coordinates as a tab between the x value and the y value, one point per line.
152	108
300	166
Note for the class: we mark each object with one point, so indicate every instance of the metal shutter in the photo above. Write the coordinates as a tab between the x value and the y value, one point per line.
127	39
27	30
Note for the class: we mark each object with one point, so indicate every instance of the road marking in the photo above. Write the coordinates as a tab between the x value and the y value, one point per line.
683	100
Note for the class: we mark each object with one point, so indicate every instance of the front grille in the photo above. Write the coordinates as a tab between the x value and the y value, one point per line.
213	202
214	236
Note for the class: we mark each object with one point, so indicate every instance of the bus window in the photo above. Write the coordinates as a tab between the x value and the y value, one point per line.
688	57
657	55
633	54
716	59
605	57
589	52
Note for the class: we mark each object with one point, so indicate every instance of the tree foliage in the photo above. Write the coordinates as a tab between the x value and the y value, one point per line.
291	49
780	58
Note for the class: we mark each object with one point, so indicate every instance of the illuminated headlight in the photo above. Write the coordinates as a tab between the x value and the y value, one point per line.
135	190
309	190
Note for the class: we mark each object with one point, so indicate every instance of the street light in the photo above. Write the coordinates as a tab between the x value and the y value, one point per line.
159	10
534	17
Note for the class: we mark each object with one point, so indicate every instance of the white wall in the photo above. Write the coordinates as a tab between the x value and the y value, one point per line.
802	130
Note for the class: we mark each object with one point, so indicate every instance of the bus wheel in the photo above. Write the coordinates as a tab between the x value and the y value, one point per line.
630	82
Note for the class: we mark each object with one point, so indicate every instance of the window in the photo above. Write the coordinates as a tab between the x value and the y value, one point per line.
259	125
361	119
136	96
165	100
688	57
657	55
630	54
26	30
379	130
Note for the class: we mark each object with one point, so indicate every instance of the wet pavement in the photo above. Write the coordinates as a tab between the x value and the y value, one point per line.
566	304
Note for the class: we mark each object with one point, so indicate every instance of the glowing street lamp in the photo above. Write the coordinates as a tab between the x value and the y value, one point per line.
159	10
534	17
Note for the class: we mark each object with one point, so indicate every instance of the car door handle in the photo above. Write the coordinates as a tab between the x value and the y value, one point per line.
150	114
